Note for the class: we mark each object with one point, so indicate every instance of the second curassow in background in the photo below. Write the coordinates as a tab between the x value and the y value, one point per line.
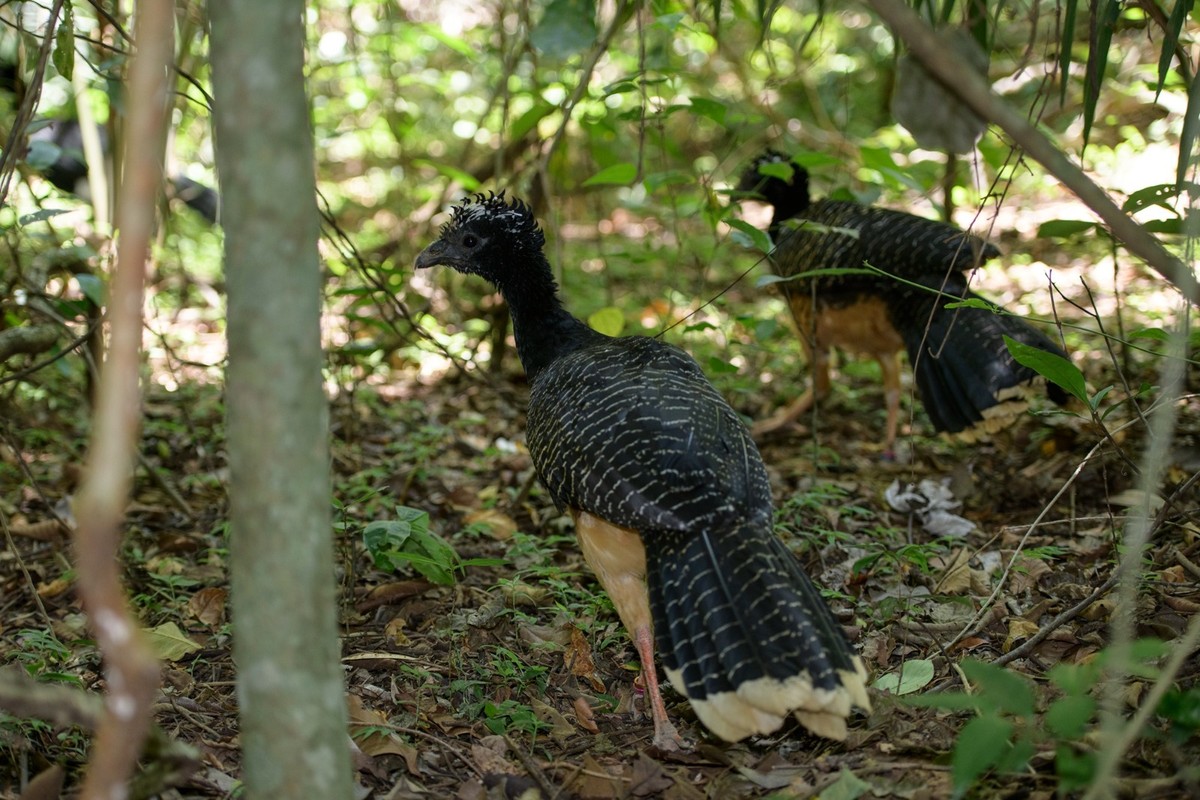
966	377
670	499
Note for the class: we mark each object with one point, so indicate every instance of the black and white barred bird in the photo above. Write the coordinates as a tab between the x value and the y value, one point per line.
670	499
966	377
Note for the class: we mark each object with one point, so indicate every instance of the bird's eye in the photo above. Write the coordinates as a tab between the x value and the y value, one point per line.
469	241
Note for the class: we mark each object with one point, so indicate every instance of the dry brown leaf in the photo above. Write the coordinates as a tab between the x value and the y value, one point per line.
585	716
394	630
560	728
54	588
499	525
648	779
595	782
578	658
378	742
1019	629
208	605
956	579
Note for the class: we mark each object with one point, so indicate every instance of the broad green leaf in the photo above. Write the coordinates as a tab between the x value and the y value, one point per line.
1151	196
1104	18
951	701
981	744
567	28
1170	40
1063	228
812	160
621	174
1191	129
912	675
42	153
92	288
1075	770
1068	716
999	688
750	236
609	320
1168	226
707	107
64	42
720	365
40	216
170	643
1064	47
468	181
848	786
1050	366
527	121
784	170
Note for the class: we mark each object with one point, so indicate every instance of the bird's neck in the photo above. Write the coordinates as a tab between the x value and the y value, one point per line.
544	330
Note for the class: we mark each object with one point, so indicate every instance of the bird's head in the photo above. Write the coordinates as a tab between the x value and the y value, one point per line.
487	236
775	178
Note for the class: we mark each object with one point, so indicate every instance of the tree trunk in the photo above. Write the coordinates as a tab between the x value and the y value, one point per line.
293	713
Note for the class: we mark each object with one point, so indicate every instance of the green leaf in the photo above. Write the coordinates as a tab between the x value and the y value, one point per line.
950	701
64	42
707	107
1068	716
39	216
466	179
567	28
42	153
972	302
609	320
720	366
749	236
1157	195
621	174
999	688
1064	228
1075	770
1050	366
92	288
527	121
981	744
1191	129
784	170
1064	47
169	643
848	786
912	675
1104	19
1174	25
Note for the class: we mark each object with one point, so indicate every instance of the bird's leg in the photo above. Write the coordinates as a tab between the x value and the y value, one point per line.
889	365
783	417
665	735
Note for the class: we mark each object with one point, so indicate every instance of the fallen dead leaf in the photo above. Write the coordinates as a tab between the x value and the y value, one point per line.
956	578
499	525
578	658
208	605
378	742
1019	629
585	716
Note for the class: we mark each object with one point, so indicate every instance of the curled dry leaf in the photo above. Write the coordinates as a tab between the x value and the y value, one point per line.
208	605
578	658
585	716
500	525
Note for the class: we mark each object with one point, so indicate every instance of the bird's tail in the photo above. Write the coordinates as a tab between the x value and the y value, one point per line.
745	635
966	377
198	197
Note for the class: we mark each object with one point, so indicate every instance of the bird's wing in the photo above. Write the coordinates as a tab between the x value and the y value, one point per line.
837	234
631	431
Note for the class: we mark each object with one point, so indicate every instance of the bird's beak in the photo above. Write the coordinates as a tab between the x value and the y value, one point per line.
433	255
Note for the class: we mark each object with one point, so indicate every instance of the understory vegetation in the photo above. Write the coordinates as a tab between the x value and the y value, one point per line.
1048	652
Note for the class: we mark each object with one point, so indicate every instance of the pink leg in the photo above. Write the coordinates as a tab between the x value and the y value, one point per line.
665	735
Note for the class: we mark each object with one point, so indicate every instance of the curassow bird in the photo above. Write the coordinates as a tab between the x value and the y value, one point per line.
966	377
670	499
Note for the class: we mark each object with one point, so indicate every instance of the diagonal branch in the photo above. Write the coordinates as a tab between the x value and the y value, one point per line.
945	66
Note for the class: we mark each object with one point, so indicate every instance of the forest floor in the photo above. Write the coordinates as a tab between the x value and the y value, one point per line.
518	681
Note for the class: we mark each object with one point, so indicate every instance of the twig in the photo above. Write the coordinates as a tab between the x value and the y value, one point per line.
131	669
1057	622
948	68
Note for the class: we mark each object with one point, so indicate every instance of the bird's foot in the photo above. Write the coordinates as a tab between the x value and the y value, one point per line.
668	740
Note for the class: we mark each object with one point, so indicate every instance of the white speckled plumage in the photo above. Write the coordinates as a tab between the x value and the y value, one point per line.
629	431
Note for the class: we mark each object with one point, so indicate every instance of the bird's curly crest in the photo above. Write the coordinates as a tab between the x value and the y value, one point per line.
514	218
